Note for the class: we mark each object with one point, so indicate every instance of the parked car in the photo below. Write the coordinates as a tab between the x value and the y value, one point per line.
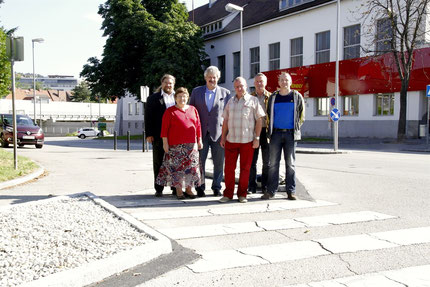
88	132
28	133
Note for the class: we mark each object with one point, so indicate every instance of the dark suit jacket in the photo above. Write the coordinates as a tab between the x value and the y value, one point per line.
154	110
210	121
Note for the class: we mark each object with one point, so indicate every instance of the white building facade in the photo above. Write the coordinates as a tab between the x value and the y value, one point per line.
283	34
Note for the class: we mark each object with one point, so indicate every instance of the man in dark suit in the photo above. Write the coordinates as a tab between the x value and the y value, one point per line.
156	104
209	101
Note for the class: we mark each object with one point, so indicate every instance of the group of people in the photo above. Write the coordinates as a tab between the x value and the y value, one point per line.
182	128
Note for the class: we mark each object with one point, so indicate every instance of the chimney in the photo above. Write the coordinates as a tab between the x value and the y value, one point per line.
211	3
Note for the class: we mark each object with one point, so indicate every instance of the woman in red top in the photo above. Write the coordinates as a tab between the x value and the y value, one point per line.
181	134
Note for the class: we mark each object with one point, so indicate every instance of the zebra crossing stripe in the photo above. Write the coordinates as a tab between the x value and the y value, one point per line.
410	276
262	207
266	225
215	260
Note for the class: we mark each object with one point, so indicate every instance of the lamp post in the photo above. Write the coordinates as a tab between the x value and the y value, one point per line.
234	8
37	40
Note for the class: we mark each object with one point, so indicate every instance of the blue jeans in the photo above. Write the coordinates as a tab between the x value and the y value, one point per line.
217	158
282	140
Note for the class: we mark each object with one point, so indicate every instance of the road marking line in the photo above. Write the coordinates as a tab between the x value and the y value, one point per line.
410	276
262	207
304	249
265	225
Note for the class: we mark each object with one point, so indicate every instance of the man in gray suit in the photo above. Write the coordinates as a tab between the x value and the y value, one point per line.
209	101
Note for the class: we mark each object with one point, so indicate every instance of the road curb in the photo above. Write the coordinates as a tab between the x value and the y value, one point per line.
22	179
100	269
320	151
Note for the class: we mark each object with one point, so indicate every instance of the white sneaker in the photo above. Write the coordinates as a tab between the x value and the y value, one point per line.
224	199
243	199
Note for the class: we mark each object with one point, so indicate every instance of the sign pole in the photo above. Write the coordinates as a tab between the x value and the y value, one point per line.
428	113
12	62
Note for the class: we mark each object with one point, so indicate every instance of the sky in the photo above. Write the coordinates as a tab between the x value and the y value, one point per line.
70	29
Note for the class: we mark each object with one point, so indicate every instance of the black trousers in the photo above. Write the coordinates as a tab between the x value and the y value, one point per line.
157	161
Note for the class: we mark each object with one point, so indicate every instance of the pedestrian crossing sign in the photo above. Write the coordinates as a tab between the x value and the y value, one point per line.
428	91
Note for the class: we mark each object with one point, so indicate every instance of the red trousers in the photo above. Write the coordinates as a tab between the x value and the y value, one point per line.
231	152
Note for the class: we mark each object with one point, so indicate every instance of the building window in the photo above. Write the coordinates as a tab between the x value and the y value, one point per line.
137	108
384	35
322	106
136	125
322	47
284	4
350	105
254	61
274	56
129	125
351	42
221	67
384	105
236	65
130	109
297	52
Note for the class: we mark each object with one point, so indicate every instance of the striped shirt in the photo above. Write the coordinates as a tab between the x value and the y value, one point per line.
241	115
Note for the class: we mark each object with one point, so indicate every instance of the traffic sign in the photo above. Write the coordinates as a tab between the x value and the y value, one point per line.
333	101
428	91
335	115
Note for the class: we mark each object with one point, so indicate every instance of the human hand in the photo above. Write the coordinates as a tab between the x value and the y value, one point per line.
166	147
255	143
150	140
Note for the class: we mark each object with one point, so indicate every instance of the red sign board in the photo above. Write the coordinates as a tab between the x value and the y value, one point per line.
367	75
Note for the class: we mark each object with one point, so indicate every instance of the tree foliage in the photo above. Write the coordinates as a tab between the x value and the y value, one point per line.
82	93
5	72
145	39
408	30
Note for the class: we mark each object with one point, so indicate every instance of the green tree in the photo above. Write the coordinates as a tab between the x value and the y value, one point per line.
5	76
82	93
145	39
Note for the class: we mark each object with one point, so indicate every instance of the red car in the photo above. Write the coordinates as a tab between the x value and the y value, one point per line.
28	132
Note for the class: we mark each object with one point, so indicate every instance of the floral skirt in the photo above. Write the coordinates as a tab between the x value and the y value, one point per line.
181	167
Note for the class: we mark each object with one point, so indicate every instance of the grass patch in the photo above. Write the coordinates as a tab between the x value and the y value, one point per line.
7	171
311	139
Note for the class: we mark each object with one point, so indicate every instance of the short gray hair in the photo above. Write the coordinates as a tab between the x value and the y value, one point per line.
212	70
240	79
261	75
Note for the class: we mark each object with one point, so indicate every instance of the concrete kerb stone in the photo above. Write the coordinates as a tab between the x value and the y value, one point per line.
100	269
22	179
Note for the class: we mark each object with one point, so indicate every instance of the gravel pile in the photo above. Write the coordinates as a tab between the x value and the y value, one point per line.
37	240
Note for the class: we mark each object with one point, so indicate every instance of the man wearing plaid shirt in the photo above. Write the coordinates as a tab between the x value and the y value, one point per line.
240	136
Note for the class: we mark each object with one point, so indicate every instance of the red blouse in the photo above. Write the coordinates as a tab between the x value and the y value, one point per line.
180	126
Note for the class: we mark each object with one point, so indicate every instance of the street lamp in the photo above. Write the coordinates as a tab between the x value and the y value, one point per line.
38	40
234	8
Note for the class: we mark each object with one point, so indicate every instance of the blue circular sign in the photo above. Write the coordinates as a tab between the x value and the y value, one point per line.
333	101
335	115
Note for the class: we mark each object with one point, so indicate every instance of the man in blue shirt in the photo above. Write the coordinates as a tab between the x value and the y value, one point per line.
286	113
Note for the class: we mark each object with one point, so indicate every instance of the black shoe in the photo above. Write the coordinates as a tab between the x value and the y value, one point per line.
158	194
217	192
263	189
190	196
174	192
291	196
252	190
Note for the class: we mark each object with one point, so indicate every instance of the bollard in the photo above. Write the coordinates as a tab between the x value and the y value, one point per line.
128	140
143	141
114	140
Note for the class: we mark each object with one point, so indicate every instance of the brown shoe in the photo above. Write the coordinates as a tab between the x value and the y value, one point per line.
291	197
267	196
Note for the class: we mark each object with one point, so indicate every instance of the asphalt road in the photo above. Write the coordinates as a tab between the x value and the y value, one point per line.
379	177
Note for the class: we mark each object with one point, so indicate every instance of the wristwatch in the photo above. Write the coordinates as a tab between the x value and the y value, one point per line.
257	138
